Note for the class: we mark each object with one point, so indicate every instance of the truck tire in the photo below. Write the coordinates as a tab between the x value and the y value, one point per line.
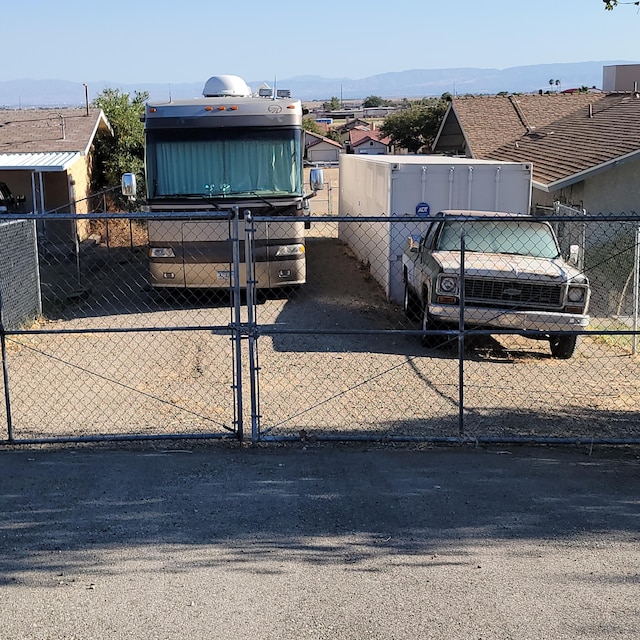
410	303
429	324
563	347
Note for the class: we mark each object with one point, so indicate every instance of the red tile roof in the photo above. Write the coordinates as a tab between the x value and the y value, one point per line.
358	137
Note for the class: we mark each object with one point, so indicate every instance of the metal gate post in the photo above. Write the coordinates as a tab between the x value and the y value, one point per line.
250	267
461	338
636	290
235	320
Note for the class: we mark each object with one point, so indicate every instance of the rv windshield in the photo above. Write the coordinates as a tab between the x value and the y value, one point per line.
215	163
519	237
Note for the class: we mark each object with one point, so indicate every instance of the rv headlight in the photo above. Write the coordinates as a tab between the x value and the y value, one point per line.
161	252
448	284
576	294
290	250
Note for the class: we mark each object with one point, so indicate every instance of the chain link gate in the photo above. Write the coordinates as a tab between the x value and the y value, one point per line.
341	362
336	359
99	355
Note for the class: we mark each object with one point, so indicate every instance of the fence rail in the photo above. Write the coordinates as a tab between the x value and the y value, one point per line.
104	356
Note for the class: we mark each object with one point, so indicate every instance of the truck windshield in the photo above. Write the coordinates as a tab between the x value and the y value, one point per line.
525	238
219	162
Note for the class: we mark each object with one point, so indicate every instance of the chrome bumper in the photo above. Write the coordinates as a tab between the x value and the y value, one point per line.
529	320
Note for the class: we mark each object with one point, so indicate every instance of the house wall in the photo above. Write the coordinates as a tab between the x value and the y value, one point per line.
79	174
621	77
371	148
57	194
323	152
572	196
80	181
614	191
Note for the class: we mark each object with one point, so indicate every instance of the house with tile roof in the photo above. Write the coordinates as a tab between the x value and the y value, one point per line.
368	142
584	147
46	155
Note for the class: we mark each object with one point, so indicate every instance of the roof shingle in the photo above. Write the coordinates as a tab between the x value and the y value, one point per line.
562	135
49	130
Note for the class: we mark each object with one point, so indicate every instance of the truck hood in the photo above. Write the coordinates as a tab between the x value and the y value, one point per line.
509	266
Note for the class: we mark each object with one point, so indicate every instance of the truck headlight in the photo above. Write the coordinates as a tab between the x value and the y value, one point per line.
576	294
161	252
290	250
448	284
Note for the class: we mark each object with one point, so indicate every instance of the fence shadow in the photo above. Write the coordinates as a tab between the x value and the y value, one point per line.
242	509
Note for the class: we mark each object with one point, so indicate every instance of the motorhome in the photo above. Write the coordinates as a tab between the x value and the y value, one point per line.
230	150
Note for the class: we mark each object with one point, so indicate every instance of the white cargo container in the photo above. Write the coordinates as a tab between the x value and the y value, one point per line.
401	186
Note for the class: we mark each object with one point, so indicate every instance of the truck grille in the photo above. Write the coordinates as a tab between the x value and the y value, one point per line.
512	293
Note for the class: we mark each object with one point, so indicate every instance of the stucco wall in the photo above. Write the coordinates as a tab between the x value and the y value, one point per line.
614	191
79	173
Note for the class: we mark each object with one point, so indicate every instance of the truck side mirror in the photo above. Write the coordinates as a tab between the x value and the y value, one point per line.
414	242
128	185
316	179
574	254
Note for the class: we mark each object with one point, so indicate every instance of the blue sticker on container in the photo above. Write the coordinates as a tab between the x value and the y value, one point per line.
422	209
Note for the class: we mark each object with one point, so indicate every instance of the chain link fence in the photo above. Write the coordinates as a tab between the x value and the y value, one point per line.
108	356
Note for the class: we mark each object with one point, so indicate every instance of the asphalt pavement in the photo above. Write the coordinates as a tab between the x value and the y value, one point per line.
319	541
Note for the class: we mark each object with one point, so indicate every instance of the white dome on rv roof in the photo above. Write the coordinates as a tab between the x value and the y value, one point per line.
226	86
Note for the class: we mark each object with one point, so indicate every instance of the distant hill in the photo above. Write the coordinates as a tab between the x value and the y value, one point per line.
414	83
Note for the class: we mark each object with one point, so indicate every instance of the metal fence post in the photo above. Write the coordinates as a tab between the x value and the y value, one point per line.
461	338
636	290
237	337
251	323
5	374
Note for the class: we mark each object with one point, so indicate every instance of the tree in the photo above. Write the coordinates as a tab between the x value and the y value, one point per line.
415	127
373	101
332	134
610	4
124	151
332	105
309	124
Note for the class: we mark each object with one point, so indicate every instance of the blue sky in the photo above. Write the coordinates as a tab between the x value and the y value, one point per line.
131	41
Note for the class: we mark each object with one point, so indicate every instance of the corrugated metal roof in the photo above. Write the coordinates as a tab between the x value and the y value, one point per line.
55	161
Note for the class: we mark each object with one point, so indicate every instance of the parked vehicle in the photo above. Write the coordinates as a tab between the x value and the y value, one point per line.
502	270
398	187
8	202
228	150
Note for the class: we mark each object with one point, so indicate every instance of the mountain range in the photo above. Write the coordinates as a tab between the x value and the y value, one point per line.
415	83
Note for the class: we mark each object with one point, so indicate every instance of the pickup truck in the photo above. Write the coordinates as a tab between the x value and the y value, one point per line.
514	278
8	202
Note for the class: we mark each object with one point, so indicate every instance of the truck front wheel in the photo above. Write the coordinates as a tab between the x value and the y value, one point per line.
563	347
410	303
429	324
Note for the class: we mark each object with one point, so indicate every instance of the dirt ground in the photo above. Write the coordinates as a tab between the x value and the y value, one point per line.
319	542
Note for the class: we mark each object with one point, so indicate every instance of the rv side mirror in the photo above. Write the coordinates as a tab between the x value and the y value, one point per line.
129	185
316	179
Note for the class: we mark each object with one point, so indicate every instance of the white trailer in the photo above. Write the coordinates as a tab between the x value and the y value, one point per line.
402	186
